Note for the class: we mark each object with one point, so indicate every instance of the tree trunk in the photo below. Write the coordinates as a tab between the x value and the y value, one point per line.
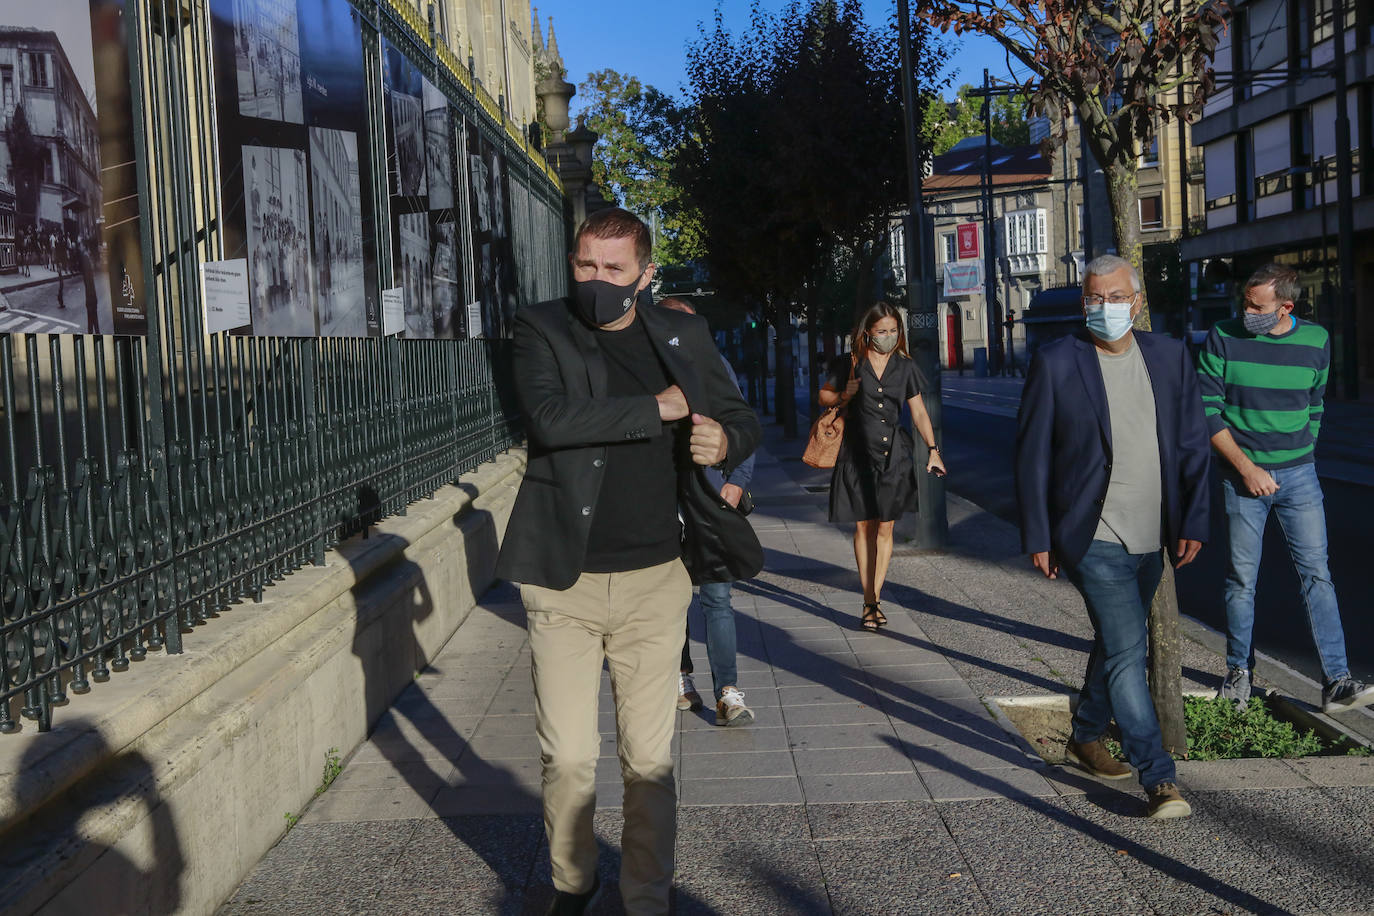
1166	670
813	359
785	394
1166	664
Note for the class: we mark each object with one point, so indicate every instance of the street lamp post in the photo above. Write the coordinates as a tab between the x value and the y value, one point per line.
932	524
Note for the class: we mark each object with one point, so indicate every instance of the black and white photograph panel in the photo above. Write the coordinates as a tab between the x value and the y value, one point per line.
487	269
413	273
278	214
438	149
444	273
267	55
480	188
336	207
496	175
54	276
406	134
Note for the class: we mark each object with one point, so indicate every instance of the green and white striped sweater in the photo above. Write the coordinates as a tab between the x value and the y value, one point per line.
1267	390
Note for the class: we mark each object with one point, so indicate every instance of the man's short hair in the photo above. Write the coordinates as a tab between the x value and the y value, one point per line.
615	223
1283	278
1105	264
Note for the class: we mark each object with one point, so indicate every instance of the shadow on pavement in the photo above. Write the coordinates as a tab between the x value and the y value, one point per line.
908	706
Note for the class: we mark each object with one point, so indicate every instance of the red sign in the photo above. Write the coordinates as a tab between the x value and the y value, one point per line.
968	240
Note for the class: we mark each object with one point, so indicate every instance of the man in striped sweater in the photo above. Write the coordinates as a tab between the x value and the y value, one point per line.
1262	378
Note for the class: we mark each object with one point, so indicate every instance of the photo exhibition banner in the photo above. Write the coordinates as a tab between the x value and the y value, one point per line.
492	253
290	84
70	255
425	232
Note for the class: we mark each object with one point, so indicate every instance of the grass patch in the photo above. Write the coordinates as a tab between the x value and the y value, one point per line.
1217	730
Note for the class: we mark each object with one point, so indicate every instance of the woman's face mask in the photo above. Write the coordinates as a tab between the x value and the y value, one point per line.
883	341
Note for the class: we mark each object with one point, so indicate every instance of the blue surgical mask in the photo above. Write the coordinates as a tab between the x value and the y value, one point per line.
1110	321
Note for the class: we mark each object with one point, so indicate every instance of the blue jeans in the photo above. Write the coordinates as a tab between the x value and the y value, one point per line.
720	636
1302	517
1117	587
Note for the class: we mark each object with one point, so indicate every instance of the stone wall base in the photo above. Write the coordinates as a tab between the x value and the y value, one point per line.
161	789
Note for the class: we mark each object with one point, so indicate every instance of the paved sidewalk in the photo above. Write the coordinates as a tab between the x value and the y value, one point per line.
874	780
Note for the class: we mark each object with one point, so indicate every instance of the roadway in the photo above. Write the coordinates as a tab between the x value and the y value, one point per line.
979	437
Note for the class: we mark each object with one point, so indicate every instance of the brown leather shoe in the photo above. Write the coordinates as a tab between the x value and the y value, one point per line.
1166	802
1094	757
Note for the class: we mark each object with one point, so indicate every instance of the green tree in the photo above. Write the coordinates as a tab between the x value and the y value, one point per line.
638	125
946	123
26	158
792	154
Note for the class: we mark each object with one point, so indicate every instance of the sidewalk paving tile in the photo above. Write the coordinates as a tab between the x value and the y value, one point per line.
824	803
759	790
833	788
1224	775
954	782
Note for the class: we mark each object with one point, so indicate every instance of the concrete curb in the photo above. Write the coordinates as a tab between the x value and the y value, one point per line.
240	720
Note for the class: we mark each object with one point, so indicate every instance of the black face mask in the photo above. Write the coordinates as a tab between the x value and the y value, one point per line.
600	302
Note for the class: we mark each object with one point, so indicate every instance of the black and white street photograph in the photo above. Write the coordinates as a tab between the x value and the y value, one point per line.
497	190
275	185
438	148
54	271
479	187
487	291
405	121
413	272
444	272
337	217
267	55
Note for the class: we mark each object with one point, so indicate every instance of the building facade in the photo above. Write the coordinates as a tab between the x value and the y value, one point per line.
59	189
1267	145
498	40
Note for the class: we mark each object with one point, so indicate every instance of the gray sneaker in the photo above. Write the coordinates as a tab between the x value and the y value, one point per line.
1235	687
1346	693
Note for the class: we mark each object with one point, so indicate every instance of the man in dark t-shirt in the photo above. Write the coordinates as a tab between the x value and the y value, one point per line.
622	407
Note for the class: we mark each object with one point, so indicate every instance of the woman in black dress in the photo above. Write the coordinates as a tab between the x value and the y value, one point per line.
874	479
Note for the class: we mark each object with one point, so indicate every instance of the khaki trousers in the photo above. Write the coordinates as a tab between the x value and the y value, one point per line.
634	621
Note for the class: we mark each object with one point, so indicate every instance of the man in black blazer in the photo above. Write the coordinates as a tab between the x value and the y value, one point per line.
622	406
1111	466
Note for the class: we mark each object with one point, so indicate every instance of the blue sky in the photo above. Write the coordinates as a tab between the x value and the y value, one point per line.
649	38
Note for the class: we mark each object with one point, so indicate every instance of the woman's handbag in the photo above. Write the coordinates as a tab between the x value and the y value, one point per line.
826	434
823	447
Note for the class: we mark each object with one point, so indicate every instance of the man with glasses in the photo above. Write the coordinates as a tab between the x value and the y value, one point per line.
1263	376
1111	466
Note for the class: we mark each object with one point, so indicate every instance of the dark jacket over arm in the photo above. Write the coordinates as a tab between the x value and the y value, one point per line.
561	384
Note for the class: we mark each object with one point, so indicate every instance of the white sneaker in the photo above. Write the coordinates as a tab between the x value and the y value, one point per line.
730	708
687	696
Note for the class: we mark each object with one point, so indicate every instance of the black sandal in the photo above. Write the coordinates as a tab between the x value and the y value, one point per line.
878	614
869	621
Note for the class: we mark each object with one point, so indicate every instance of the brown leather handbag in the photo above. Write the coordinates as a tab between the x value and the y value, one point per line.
823	447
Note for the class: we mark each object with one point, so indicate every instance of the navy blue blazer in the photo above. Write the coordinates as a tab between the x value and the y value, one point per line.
1064	445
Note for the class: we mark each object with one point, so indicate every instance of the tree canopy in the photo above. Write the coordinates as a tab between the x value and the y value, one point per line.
946	123
1114	66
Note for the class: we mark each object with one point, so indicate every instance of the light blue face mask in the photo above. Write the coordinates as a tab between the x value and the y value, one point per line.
1109	321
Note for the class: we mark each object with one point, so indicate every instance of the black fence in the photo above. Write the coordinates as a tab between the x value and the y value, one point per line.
149	481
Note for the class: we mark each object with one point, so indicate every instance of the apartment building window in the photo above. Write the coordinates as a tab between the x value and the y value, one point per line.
1149	153
1265	28
1152	212
899	247
37	66
951	247
1025	232
7	87
1082	230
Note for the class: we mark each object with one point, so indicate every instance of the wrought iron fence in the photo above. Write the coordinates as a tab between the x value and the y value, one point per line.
148	483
